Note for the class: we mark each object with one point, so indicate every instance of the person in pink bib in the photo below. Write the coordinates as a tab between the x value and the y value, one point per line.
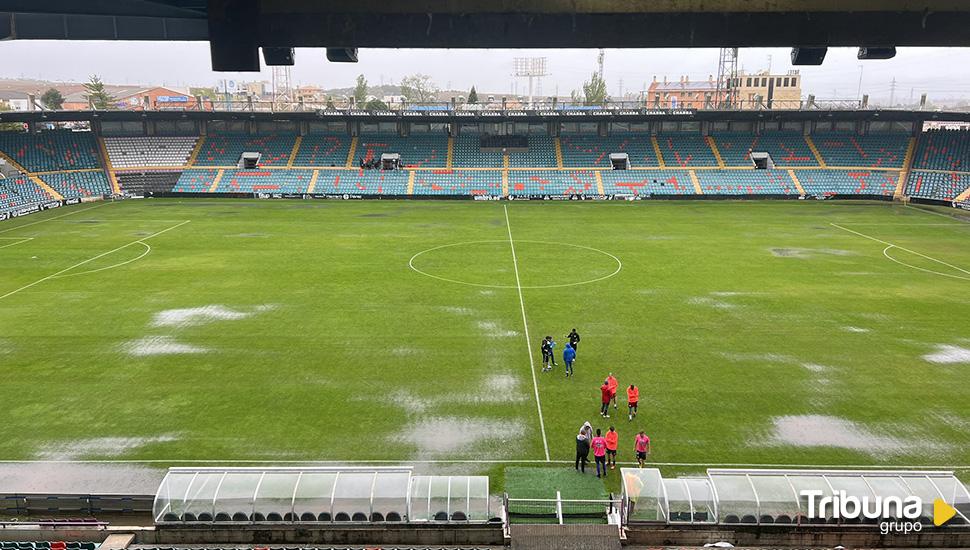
641	445
599	452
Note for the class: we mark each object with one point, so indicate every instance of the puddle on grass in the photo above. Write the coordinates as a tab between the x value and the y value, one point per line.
455	310
99	446
442	435
710	302
194	316
806	253
830	431
159	345
493	330
946	354
855	329
66	478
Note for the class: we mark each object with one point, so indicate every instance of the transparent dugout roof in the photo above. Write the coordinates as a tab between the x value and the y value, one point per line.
774	496
291	495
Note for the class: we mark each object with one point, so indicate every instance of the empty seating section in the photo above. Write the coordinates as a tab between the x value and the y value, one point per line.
47	545
417	150
225	149
20	192
549	182
746	182
541	154
147	182
937	185
323	150
265	181
870	151
947	150
786	149
51	151
580	151
457	182
848	182
73	185
195	181
362	182
127	152
683	150
647	182
468	153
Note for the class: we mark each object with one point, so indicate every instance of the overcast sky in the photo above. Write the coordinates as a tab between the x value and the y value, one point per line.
942	72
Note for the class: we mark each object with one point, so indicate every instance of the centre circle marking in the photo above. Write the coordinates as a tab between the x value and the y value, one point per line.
619	264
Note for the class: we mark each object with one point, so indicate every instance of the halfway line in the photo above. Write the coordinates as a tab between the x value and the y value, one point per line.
89	260
528	340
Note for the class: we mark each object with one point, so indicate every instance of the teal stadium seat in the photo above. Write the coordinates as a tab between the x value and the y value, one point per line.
265	181
686	150
541	154
225	149
74	185
947	150
417	150
323	150
195	181
52	150
20	192
787	149
945	186
647	182
870	151
746	182
468	153
585	151
848	182
549	182
458	182
362	182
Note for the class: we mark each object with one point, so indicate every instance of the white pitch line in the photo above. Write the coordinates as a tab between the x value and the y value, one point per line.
942	215
499	461
891	245
54	218
528	340
17	240
89	260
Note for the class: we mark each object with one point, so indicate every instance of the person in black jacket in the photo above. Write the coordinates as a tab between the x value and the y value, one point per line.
582	447
573	338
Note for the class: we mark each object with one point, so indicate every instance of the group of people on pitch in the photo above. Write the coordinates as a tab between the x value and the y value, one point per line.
604	448
548	348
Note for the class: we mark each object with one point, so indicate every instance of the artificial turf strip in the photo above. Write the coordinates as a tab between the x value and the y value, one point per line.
728	315
542	483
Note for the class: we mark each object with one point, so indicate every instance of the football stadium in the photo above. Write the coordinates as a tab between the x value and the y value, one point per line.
246	326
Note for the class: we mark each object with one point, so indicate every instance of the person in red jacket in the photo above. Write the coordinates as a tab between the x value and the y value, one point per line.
605	397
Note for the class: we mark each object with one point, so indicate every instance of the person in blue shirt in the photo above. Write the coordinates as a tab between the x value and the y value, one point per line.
568	356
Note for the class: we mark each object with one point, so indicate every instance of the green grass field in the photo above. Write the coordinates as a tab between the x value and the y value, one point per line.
759	332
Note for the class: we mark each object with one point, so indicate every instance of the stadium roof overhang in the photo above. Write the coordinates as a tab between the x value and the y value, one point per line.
237	28
605	115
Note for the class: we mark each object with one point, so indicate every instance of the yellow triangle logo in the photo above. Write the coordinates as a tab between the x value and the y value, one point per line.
942	512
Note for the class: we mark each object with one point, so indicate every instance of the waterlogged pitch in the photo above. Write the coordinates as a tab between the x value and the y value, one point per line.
813	334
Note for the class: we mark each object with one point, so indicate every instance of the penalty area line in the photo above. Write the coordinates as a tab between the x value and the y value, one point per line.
89	260
528	340
891	245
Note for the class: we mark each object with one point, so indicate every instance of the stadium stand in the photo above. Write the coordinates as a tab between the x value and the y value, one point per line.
144	183
947	150
52	150
127	152
746	182
74	185
458	182
647	182
552	182
468	153
848	182
541	154
264	181
583	151
225	149
945	186
47	545
363	182
195	181
416	150
20	192
870	151
786	149
686	150
323	150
